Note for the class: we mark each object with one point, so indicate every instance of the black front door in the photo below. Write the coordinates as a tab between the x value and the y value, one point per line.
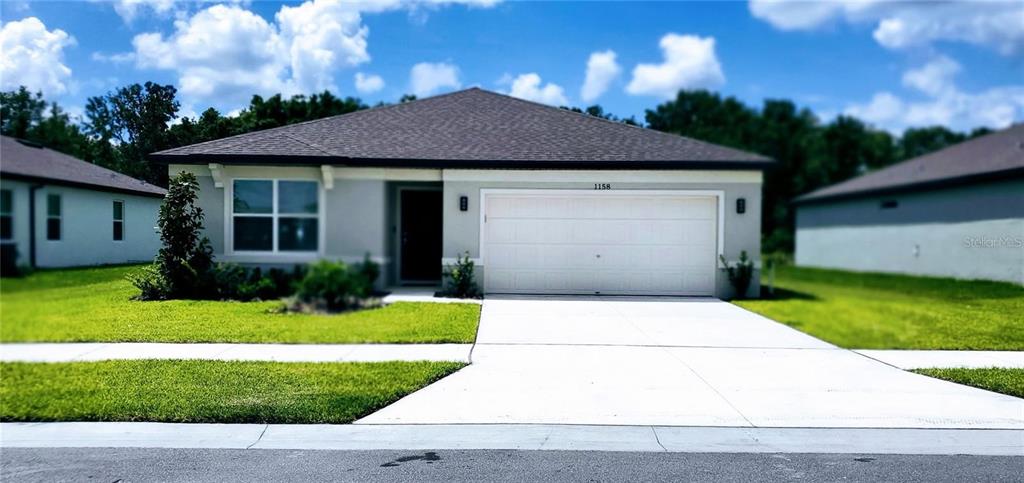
421	235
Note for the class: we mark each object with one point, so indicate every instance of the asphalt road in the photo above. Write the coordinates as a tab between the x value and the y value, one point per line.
137	464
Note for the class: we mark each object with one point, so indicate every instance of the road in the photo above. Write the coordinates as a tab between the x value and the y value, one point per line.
136	464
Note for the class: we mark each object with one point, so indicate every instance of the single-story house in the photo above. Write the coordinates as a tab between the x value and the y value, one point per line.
60	211
957	212
543	200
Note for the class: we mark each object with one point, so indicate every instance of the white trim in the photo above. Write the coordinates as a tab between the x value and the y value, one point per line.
274	255
327	172
605	176
217	172
398	251
124	214
388	174
719	194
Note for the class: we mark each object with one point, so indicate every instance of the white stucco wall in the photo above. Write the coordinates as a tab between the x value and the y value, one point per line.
87	227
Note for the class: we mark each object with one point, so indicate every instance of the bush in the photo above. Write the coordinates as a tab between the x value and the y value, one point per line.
333	287
370	270
184	265
740	274
460	280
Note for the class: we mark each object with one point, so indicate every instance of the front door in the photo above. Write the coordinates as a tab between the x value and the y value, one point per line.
420	233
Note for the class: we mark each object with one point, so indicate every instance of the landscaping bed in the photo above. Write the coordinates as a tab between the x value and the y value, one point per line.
1005	381
95	305
882	311
208	391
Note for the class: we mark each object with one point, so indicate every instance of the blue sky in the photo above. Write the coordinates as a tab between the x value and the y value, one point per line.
893	64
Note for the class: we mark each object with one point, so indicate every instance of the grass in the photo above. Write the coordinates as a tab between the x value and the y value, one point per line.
208	391
94	305
1005	381
882	311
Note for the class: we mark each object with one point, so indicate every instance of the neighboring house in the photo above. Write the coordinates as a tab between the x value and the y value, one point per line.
60	211
958	212
543	199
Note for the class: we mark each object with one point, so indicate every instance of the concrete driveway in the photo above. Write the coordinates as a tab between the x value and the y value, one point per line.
679	362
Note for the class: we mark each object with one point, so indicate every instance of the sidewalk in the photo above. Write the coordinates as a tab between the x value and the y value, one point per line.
925	359
73	352
674	439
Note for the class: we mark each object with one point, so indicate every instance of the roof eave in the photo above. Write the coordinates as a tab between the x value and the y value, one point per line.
811	198
78	184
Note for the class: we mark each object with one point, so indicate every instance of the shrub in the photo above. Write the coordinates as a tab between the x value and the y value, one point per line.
740	274
460	280
149	282
370	270
184	264
332	286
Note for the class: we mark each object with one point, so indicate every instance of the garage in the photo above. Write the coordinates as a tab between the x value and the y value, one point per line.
600	242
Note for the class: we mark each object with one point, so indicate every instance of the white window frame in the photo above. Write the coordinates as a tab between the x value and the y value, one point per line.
59	217
275	216
10	213
124	215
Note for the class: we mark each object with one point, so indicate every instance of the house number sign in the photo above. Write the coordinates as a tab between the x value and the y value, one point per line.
602	186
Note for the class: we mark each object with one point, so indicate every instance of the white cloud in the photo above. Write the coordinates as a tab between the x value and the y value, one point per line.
368	84
690	63
130	9
118	58
528	86
34	57
899	25
601	71
426	78
942	102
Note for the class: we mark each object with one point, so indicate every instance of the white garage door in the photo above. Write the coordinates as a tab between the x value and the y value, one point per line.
583	242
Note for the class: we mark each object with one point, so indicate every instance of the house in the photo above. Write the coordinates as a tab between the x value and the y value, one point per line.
958	212
60	211
542	199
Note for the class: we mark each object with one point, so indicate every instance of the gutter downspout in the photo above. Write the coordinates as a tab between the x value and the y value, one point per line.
32	224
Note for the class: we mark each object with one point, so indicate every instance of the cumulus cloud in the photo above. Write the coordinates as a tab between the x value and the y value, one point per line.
226	53
428	78
368	84
529	86
601	71
118	58
130	9
689	63
900	25
34	57
941	101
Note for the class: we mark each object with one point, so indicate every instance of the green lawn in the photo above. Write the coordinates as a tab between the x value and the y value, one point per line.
208	391
1006	381
878	311
94	304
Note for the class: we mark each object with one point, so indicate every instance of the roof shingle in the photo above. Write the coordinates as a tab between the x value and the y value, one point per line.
469	127
26	160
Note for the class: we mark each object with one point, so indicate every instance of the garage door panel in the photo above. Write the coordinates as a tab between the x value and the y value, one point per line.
605	243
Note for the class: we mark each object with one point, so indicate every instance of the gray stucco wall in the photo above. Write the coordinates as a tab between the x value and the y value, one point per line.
970	232
86	227
742	231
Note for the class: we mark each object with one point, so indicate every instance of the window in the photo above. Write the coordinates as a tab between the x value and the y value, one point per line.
889	204
53	215
275	215
118	220
6	215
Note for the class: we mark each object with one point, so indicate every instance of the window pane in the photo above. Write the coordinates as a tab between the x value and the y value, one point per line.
118	210
118	230
53	205
297	234
6	200
53	228
6	227
296	197
254	233
254	196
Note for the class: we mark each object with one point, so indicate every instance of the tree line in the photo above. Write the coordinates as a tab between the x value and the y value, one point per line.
121	127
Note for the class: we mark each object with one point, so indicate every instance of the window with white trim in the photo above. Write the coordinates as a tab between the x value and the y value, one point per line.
118	220
275	215
54	212
6	214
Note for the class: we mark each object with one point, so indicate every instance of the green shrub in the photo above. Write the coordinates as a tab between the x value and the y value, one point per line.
332	286
460	280
370	270
740	274
149	282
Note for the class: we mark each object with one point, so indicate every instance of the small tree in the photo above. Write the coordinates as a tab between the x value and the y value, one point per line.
183	266
740	274
461	279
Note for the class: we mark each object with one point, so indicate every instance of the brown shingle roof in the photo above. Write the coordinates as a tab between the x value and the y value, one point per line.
20	159
469	128
998	154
